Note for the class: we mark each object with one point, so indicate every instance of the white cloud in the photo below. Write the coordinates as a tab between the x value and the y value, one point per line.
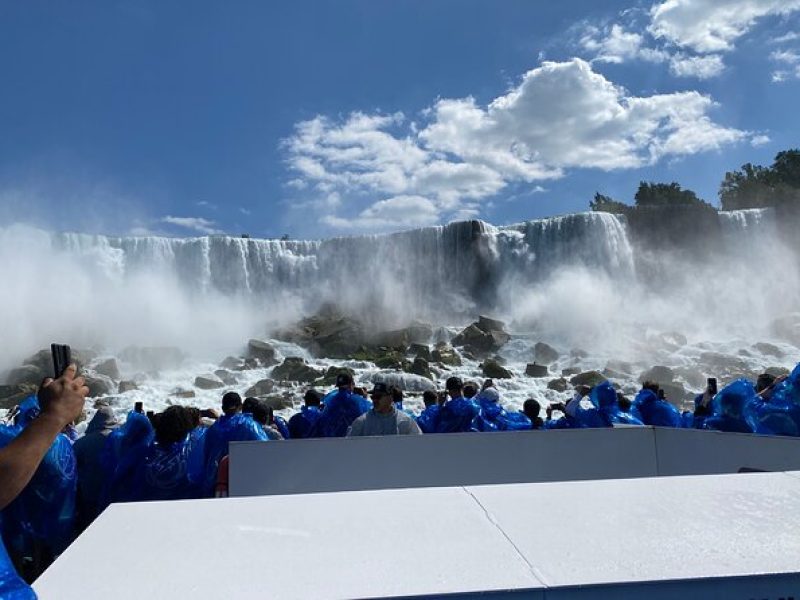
759	140
701	67
786	37
197	224
712	25
790	60
560	116
789	57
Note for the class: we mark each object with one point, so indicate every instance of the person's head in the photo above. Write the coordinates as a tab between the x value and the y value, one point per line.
312	398
344	381
583	390
194	415
470	390
173	425
454	386
256	408
531	408
231	403
360	391
764	381
430	398
651	385
397	394
623	402
382	398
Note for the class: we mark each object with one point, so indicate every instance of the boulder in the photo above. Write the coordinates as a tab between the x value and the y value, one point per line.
183	394
154	358
612	374
208	382
569	371
619	366
126	386
28	375
590	378
408	382
534	370
769	349
109	368
232	363
694	379
721	364
393	360
329	334
12	395
329	378
99	385
421	367
421	351
657	373
226	377
446	355
260	388
278	401
264	352
494	370
777	371
559	385
676	393
399	339
43	359
482	337
296	369
544	354
249	364
489	325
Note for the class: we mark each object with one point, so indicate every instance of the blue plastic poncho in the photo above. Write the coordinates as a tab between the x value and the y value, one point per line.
239	427
301	424
428	419
12	587
730	408
650	410
342	407
174	472
456	415
604	397
44	511
283	427
123	457
780	415
493	417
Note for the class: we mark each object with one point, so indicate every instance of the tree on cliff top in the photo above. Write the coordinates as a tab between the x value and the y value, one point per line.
607	204
666	194
755	186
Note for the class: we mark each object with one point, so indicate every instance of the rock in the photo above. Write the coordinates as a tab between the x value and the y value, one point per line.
494	370
108	368
590	378
421	367
249	364
329	378
569	371
769	349
260	388
693	378
482	337
777	371
183	394
675	393
421	351
263	351
27	374
330	333
620	366
12	395
559	385
399	339
544	354
99	385
446	355
154	358
657	373
126	386
534	370
226	377
488	325
208	382
43	359
408	382
393	360
232	363
296	369
612	374
277	401
723	364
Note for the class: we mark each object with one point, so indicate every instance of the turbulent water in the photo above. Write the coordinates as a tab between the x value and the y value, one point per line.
576	282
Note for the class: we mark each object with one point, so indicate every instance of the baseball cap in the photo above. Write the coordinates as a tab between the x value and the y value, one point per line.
379	389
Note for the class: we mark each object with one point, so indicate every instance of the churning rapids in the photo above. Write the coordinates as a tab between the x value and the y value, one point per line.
580	283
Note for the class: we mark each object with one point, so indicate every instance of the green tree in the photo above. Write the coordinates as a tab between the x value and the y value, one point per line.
754	186
607	204
666	194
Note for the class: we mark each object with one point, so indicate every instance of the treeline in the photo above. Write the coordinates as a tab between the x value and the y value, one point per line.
752	186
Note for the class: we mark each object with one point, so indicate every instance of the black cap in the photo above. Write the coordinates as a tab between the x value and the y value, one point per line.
380	389
344	379
453	383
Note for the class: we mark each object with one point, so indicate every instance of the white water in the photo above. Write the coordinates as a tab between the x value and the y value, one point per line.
571	281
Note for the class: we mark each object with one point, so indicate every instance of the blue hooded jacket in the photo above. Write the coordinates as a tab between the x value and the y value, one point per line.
342	407
650	410
239	427
730	408
301	424
456	415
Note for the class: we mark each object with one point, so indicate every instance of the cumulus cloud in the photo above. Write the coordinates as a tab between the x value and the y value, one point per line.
790	65
562	115
701	67
707	26
198	224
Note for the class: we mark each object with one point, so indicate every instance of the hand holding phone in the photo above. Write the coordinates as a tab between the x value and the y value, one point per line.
62	358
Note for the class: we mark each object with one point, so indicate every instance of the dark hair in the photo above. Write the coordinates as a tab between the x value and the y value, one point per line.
194	414
312	398
764	381
429	398
231	402
397	393
623	402
470	390
173	425
531	408
258	409
651	385
453	383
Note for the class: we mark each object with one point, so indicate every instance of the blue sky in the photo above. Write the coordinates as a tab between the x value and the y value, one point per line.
329	118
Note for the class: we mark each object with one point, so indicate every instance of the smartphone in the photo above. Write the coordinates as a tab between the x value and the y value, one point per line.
139	407
712	386
62	357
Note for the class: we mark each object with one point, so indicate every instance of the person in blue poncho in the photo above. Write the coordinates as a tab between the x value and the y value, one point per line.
341	407
493	417
428	419
123	454
776	408
457	413
652	410
605	398
532	409
729	408
21	455
232	426
301	424
88	453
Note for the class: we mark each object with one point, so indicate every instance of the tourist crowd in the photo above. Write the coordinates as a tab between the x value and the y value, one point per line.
182	452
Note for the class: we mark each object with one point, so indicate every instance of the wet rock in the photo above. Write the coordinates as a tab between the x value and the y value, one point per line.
777	371
399	339
494	370
421	367
393	360
769	349
27	374
330	333
12	395
126	386
408	382
226	377
590	378
153	358
99	385
296	369
329	378
278	401
620	366
559	385
676	393
723	364
232	363
487	324
420	351
43	359
570	371
612	374
264	352
693	378
482	337
109	368
534	370
261	388
658	373
249	364
183	394
544	354
208	382
446	355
